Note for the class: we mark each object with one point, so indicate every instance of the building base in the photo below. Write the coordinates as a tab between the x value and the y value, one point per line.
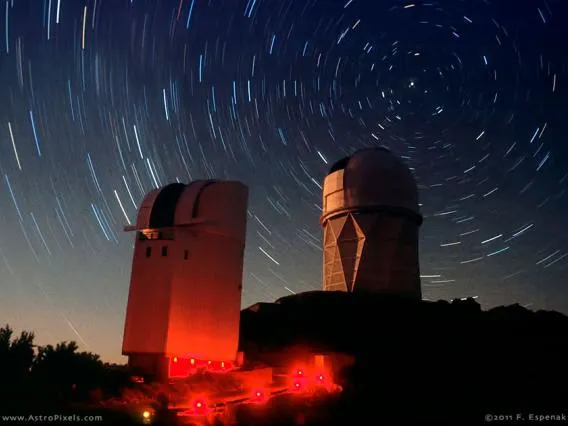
152	367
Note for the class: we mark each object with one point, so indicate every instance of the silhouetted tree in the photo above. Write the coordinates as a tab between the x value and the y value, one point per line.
67	373
36	378
16	359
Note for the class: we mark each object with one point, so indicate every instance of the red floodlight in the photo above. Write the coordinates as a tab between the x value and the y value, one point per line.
258	396
199	407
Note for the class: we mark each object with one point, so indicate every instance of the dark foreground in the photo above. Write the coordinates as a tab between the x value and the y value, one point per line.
416	363
349	409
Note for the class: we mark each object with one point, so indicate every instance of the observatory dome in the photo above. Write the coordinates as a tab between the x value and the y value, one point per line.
179	204
369	179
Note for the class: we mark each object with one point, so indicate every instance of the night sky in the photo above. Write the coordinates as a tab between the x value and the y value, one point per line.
103	100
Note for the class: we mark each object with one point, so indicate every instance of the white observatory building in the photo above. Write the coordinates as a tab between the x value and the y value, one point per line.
370	221
185	290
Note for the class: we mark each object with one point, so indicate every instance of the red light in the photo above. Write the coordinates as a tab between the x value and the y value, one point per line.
138	379
200	407
258	396
299	372
192	361
320	377
175	359
209	362
222	364
297	385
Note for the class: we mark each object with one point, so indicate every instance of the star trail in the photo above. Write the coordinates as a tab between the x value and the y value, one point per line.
103	100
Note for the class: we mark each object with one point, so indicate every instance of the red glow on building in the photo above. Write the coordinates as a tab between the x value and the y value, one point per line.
182	234
179	367
222	366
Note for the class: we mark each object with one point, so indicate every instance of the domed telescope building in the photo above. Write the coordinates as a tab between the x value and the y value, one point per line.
185	289
370	221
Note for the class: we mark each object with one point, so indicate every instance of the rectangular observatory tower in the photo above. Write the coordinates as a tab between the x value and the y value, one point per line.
185	289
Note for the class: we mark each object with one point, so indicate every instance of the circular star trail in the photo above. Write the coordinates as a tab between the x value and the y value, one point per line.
102	101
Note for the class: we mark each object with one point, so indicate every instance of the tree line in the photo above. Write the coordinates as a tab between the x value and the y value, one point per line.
50	376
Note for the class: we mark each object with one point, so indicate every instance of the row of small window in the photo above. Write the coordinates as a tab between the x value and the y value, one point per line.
165	252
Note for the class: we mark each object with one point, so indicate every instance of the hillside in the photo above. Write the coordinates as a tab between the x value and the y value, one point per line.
417	359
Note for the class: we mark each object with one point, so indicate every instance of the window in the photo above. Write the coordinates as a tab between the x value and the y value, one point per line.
154	234
149	234
185	254
148	251
164	251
